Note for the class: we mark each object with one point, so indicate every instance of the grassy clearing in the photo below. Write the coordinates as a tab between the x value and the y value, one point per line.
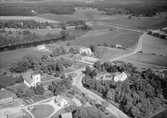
150	59
123	37
154	45
107	53
8	57
42	111
7	80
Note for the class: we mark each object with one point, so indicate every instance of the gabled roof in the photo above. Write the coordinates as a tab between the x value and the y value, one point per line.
59	99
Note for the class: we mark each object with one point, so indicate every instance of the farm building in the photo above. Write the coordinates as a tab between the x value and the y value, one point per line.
61	100
120	77
66	115
6	98
31	79
85	50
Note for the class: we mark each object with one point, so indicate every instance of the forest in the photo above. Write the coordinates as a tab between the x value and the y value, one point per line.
149	8
140	95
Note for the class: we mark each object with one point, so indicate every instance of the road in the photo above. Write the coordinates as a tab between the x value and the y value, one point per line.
112	25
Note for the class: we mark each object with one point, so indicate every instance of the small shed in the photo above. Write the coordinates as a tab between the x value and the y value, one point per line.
67	115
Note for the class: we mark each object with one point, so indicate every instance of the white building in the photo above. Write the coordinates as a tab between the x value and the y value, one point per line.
85	50
67	115
61	100
32	79
70	27
118	46
120	77
41	47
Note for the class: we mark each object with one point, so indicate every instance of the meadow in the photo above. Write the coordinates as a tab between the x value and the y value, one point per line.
148	59
122	37
154	45
8	57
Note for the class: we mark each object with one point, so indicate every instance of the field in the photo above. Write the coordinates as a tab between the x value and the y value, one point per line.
107	53
157	22
6	80
147	59
59	112
154	45
37	19
54	17
122	37
8	57
42	111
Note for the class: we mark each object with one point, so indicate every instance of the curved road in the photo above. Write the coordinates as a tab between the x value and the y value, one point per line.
111	108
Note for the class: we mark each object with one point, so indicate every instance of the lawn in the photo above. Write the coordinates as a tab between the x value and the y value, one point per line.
8	57
154	45
149	59
42	111
79	65
122	37
50	82
59	112
7	80
68	70
72	74
47	78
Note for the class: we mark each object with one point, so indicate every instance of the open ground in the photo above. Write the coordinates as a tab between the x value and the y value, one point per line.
154	45
122	37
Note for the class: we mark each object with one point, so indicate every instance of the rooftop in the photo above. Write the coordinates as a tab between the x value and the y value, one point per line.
6	94
27	76
66	115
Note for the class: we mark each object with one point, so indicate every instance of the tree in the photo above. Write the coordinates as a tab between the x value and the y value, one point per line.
20	79
94	73
93	48
64	33
63	76
105	45
39	89
71	50
87	70
111	94
56	52
68	44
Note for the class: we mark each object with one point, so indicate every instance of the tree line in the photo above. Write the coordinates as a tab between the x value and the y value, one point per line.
25	24
140	95
44	64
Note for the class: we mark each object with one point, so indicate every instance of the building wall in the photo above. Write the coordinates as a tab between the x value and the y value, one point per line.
36	79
